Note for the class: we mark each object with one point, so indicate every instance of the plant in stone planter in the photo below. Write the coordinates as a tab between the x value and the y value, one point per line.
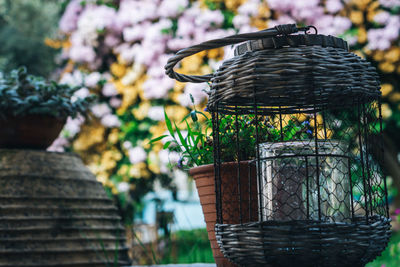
33	110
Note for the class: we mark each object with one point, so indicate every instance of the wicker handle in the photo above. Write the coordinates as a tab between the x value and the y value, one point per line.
217	43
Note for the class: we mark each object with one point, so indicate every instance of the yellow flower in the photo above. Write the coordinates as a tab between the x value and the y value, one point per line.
114	190
179	86
359	53
362	35
129	97
386	111
372	11
378	55
192	63
137	170
118	70
264	11
361	4
387	67
141	112
302	117
394	97
386	88
107	160
393	55
357	17
174	96
216	53
205	69
102	178
56	44
158	129
113	136
90	135
176	113
154	162
234	4
123	170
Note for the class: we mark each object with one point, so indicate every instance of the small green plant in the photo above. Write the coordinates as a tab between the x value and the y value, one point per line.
196	146
22	94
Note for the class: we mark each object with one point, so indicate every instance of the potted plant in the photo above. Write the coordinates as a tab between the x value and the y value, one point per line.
196	149
33	111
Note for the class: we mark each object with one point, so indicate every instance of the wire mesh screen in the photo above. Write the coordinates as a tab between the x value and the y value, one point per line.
317	164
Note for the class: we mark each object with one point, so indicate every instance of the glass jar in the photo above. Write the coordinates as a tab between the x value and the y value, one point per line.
295	184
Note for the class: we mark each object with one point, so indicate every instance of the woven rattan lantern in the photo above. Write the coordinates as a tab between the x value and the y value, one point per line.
298	116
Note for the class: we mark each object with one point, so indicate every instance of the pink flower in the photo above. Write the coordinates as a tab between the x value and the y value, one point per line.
82	54
333	6
172	8
109	90
115	102
68	21
110	121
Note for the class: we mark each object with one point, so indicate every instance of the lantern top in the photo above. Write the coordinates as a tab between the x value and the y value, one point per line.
279	71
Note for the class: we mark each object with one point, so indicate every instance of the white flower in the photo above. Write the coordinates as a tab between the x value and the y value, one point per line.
73	126
137	154
127	145
156	113
81	93
101	110
92	79
115	102
109	90
123	187
110	121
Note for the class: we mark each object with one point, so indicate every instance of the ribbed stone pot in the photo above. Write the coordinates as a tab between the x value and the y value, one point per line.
53	212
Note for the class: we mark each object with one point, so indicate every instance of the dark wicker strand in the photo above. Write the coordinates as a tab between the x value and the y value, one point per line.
284	243
229	40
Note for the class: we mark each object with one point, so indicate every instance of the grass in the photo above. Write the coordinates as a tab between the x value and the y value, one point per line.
188	247
391	256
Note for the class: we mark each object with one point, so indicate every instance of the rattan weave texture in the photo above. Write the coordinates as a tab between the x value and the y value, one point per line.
301	243
290	77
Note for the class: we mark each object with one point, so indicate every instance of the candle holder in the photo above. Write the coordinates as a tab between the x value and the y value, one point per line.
304	114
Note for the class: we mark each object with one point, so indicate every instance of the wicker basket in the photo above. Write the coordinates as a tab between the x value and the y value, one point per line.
299	243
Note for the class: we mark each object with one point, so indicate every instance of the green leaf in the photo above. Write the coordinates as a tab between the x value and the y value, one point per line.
166	145
169	124
157	139
193	115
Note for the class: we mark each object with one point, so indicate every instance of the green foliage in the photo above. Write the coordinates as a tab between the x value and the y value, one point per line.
391	256
22	94
24	25
196	148
192	247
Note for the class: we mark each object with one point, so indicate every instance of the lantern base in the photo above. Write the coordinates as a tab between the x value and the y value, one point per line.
304	242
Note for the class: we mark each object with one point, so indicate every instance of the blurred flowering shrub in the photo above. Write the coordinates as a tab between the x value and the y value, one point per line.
118	49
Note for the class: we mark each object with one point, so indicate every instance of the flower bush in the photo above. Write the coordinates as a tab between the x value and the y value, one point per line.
118	49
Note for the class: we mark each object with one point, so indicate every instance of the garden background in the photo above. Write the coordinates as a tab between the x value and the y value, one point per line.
117	49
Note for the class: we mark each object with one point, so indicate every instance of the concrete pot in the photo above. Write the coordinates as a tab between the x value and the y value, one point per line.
53	212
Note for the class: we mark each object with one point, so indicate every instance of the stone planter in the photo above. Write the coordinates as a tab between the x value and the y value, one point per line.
30	131
205	183
53	212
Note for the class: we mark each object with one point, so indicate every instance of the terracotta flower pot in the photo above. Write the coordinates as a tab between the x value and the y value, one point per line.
232	209
30	131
